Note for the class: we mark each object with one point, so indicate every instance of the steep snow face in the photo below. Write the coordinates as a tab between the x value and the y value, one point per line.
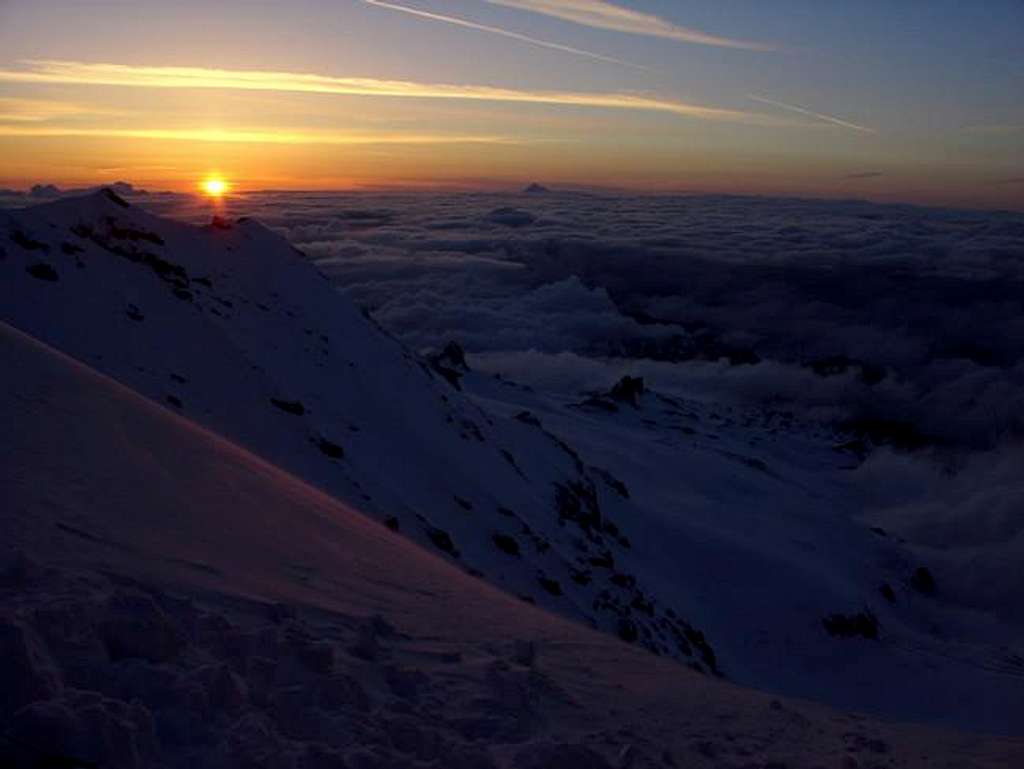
169	600
720	536
228	325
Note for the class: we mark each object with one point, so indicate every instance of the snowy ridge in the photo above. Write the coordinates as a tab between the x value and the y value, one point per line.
226	614
720	536
229	325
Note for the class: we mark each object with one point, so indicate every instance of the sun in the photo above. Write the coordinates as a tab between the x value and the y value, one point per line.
214	186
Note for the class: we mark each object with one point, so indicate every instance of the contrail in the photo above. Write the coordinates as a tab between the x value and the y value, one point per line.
466	24
811	113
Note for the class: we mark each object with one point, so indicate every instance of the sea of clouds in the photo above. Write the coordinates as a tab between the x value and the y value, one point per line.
846	311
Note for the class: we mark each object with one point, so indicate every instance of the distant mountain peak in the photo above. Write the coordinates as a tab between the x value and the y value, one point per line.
535	188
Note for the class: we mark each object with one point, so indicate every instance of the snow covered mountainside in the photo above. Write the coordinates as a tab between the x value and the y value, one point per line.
719	536
171	600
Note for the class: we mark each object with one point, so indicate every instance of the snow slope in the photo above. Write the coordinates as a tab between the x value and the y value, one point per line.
169	599
722	538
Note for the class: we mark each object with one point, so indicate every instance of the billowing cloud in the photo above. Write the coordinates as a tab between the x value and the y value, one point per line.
962	516
85	73
600	14
774	301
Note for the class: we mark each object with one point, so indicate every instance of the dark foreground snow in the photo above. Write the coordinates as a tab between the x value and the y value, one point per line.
170	600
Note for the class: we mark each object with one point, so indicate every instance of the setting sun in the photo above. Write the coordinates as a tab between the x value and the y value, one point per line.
215	187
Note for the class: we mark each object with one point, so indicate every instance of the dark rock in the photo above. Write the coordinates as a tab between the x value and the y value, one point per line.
527	419
450	363
922	581
27	242
329	448
443	541
576	501
602	561
901	435
623	580
551	585
628	390
42	271
627	630
506	544
863	624
291	407
113	197
454	355
612	482
580	576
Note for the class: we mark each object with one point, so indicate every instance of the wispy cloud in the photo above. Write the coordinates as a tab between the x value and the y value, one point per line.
811	113
467	24
600	14
82	73
245	136
17	110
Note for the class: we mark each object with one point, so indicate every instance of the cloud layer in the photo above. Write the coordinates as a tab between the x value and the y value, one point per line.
883	312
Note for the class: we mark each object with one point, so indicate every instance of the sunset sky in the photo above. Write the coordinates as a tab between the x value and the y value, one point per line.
910	101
